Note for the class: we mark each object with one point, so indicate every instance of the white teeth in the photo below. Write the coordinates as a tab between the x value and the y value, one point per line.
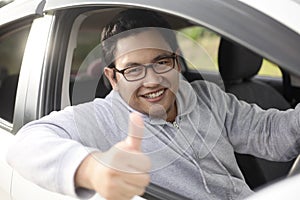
155	94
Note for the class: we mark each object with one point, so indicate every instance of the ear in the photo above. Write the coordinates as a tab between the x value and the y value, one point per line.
109	73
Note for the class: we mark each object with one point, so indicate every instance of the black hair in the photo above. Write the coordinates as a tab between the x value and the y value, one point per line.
133	19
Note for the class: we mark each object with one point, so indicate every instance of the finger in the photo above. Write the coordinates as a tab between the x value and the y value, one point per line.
131	190
137	180
135	132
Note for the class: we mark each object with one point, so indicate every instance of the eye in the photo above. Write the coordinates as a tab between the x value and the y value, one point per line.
165	61
134	70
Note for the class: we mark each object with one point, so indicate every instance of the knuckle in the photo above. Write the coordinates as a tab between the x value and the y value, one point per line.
142	180
111	172
141	191
146	179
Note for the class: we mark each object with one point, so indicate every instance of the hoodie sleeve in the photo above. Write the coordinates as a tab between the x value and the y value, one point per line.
48	152
269	134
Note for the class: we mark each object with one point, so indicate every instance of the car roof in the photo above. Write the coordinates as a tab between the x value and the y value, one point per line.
22	9
286	12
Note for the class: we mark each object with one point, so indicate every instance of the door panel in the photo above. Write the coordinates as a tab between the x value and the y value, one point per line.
6	171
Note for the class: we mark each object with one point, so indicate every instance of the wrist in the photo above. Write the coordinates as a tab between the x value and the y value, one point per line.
84	173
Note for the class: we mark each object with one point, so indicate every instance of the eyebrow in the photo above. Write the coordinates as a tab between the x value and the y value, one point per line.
163	55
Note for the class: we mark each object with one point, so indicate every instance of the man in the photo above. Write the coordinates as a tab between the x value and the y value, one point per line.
153	126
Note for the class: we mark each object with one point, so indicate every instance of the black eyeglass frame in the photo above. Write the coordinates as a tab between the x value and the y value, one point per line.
150	65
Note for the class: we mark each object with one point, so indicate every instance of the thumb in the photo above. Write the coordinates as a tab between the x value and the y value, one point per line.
135	132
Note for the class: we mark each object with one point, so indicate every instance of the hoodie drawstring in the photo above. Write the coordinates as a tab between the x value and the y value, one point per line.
214	156
182	151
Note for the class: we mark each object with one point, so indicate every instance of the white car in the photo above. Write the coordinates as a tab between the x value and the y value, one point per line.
48	60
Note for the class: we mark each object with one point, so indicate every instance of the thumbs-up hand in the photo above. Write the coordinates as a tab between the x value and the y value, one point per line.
135	132
122	171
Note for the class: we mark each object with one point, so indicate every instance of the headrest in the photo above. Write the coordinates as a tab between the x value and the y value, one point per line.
236	62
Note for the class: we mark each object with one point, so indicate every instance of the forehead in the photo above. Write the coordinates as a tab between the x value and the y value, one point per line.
148	39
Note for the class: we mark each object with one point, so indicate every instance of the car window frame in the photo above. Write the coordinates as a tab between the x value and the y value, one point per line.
67	70
6	28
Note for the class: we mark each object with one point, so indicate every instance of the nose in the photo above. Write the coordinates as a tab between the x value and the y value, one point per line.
152	79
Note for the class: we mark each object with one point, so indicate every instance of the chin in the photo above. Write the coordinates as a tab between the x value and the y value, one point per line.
157	111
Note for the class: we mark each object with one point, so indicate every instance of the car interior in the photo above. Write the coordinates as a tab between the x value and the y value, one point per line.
238	68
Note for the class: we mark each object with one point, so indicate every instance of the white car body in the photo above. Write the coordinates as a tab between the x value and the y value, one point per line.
14	186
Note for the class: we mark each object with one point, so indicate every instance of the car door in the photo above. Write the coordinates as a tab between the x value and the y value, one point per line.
23	40
13	37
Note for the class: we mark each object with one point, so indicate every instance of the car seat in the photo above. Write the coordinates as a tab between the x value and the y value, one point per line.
238	66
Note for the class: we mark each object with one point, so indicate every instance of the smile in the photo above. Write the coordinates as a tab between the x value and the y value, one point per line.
154	94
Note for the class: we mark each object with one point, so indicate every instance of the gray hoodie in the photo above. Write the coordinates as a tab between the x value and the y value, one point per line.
193	156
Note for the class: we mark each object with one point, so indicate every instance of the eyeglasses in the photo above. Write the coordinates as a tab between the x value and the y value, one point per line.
137	72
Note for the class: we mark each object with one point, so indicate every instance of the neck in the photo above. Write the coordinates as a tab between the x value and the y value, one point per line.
172	113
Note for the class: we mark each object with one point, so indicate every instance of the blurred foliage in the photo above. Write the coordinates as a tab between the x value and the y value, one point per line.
269	69
209	41
197	33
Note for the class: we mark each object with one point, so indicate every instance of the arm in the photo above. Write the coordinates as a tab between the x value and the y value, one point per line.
54	148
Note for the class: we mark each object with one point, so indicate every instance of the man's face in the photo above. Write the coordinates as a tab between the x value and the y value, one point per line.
155	94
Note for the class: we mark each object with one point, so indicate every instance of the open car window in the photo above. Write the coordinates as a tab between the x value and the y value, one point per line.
198	45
